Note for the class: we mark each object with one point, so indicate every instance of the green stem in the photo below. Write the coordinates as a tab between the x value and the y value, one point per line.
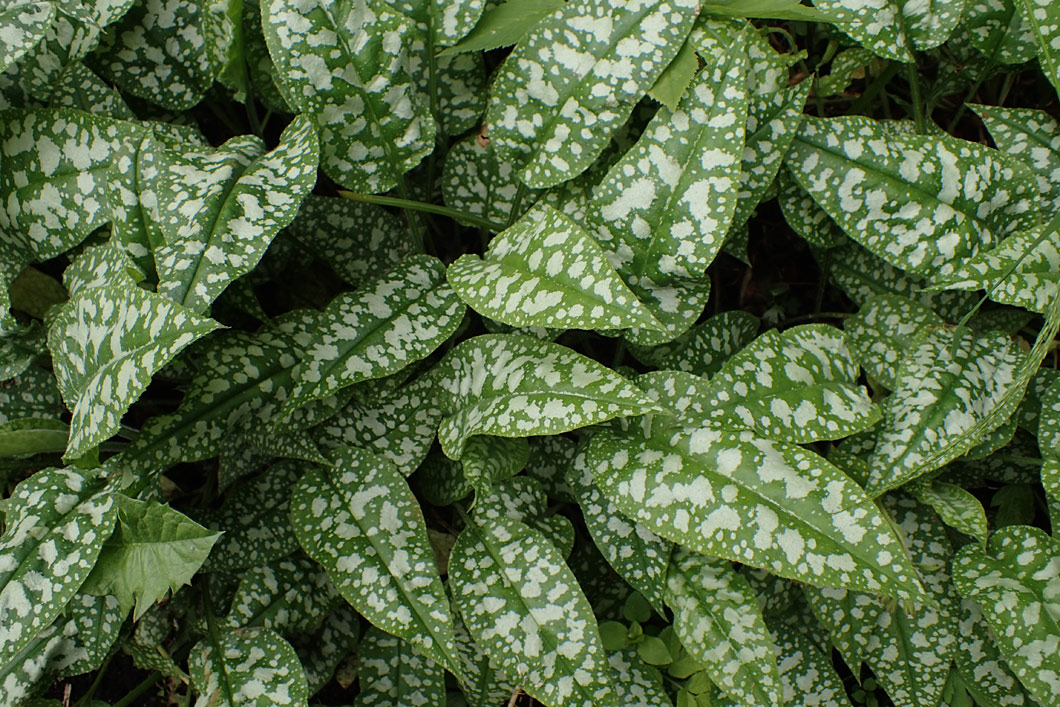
990	63
134	695
869	97
424	207
917	99
96	683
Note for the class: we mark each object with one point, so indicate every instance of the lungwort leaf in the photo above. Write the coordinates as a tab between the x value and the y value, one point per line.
56	523
353	85
22	25
362	523
153	551
895	28
545	271
766	504
517	386
922	203
523	606
252	666
391	673
1043	19
378	330
591	60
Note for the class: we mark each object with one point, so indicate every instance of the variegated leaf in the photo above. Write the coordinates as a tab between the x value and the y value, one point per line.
1031	136
377	330
1014	581
288	596
895	28
252	666
956	506
360	520
322	650
523	499
922	203
526	610
884	332
1043	19
997	29
706	346
391	673
545	271
23	24
550	457
55	525
978	660
719	624
476	182
355	88
591	61
636	683
515	386
766	504
489	460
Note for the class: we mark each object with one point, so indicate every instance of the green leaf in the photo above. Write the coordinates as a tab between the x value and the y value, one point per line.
31	393
719	624
490	460
1031	136
56	523
594	59
667	204
288	596
676	77
391	673
953	388
252	666
550	457
504	24
847	65
358	241
24	23
807	676
516	386
706	346
894	28
361	522
636	684
321	650
996	28
476	182
797	386
766	504
922	203
885	331
378	330
357	92
525	608
440	480
106	343
32	435
768	9
957	507
1013	581
635	552
219	210
979	662
254	520
1043	19
153	551
546	271
523	499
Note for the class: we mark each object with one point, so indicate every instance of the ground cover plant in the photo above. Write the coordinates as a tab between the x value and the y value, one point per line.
659	352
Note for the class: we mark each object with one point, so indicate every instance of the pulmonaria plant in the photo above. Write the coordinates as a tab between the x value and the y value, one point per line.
466	353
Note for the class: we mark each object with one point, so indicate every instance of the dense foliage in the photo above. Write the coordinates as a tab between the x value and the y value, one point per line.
584	352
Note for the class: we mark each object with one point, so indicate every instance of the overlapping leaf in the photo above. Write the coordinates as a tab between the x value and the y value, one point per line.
895	28
1043	19
884	332
996	28
524	607
590	61
288	596
362	523
248	666
979	662
515	386
546	271
24	24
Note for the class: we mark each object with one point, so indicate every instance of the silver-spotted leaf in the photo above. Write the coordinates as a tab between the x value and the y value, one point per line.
251	666
360	521
766	504
957	506
322	649
893	29
884	332
23	24
1031	136
636	683
289	596
997	29
978	660
391	673
516	386
476	182
591	61
1043	19
525	608
545	271
489	460
705	347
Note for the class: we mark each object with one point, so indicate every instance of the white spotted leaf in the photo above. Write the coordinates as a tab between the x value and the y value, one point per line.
252	666
979	661
488	461
705	347
592	61
391	673
893	29
56	524
475	181
323	649
523	499
1014	581
957	507
218	211
360	520
545	271
386	325
524	607
154	551
718	621
22	25
1031	136
766	504
289	596
516	386
922	203
997	27
343	65
1043	19
884	331
106	344
666	206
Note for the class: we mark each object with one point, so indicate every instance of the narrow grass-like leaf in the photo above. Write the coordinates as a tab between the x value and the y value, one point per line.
1014	583
766	504
719	623
524	607
252	666
545	271
516	386
362	523
592	59
504	24
378	330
